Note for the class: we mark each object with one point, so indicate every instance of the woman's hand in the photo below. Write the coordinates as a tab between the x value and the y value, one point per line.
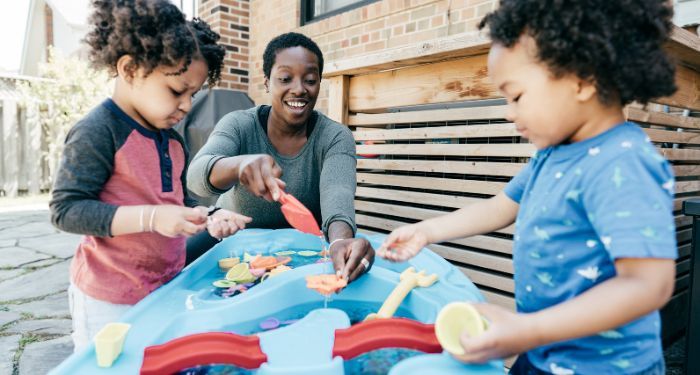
403	243
173	221
224	223
348	256
260	175
507	334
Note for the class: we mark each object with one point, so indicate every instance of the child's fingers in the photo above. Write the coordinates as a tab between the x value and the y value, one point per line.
190	228
476	349
195	215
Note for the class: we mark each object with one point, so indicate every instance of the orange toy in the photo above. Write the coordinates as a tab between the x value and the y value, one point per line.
268	262
325	284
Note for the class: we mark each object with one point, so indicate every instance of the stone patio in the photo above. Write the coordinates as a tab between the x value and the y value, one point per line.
35	321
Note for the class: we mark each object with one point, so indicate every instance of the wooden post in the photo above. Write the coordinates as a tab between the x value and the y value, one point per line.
10	140
338	98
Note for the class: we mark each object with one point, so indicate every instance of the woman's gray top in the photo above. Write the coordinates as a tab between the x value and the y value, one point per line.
321	175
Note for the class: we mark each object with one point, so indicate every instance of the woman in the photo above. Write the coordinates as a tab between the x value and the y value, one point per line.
251	155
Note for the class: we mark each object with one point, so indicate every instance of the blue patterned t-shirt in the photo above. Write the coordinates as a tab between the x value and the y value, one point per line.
582	206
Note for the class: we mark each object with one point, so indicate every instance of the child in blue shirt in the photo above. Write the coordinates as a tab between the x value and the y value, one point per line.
594	245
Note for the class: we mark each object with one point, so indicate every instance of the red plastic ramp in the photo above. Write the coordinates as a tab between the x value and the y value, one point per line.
385	333
203	348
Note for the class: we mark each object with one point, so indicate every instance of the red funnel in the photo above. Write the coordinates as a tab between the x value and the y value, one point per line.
298	216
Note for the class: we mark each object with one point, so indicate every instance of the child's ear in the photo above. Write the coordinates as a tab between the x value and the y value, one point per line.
586	90
126	68
267	84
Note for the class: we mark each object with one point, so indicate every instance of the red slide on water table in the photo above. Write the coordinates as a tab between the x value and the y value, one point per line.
385	333
203	348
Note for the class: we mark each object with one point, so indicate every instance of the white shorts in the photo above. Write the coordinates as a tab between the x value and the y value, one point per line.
89	316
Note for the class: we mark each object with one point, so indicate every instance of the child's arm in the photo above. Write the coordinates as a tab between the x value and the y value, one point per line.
641	286
477	218
168	220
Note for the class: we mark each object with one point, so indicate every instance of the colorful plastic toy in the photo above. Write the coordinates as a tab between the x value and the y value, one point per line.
325	284
298	216
211	347
189	305
240	273
225	264
385	333
268	262
409	279
453	320
109	342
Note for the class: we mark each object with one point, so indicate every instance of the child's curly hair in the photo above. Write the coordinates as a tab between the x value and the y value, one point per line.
153	33
615	43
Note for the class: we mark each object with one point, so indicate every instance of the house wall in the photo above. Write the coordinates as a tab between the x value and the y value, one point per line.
381	25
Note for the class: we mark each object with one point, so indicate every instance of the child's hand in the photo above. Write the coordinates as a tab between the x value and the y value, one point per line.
507	334
224	223
403	243
173	221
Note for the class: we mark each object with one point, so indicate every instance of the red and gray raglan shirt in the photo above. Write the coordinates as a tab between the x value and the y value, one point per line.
110	160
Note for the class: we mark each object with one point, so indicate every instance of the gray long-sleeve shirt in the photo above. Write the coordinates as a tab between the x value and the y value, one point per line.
321	175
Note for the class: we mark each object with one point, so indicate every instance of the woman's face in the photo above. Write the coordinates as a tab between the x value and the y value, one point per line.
294	84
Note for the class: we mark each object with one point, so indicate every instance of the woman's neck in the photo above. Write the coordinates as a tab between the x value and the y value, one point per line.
287	139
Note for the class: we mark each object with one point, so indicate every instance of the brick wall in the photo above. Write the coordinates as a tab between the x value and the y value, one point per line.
231	19
374	27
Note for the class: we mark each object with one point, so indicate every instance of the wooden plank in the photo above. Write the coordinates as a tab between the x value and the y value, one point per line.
488	279
460	131
444	184
338	91
450	114
448	81
443	200
505	301
453	46
446	166
521	150
688	93
668	136
687	186
684	47
685	170
674	316
481	241
10	142
474	258
660	118
680	154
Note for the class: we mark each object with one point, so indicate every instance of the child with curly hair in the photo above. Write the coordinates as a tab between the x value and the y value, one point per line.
594	245
121	180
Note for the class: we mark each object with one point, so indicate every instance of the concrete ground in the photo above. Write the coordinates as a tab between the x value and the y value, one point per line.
35	321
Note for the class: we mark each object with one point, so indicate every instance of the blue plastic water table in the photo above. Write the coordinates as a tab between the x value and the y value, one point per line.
190	305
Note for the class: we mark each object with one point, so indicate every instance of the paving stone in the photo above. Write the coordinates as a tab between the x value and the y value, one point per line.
8	274
8	317
41	357
62	245
17	256
8	242
8	347
42	282
51	306
42	263
32	229
42	327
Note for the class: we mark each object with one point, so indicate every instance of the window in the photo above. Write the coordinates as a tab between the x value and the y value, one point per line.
314	10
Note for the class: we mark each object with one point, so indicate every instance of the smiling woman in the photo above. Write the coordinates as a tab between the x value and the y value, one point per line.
285	146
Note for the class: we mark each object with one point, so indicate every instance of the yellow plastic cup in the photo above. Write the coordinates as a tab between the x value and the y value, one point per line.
226	264
109	343
453	320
